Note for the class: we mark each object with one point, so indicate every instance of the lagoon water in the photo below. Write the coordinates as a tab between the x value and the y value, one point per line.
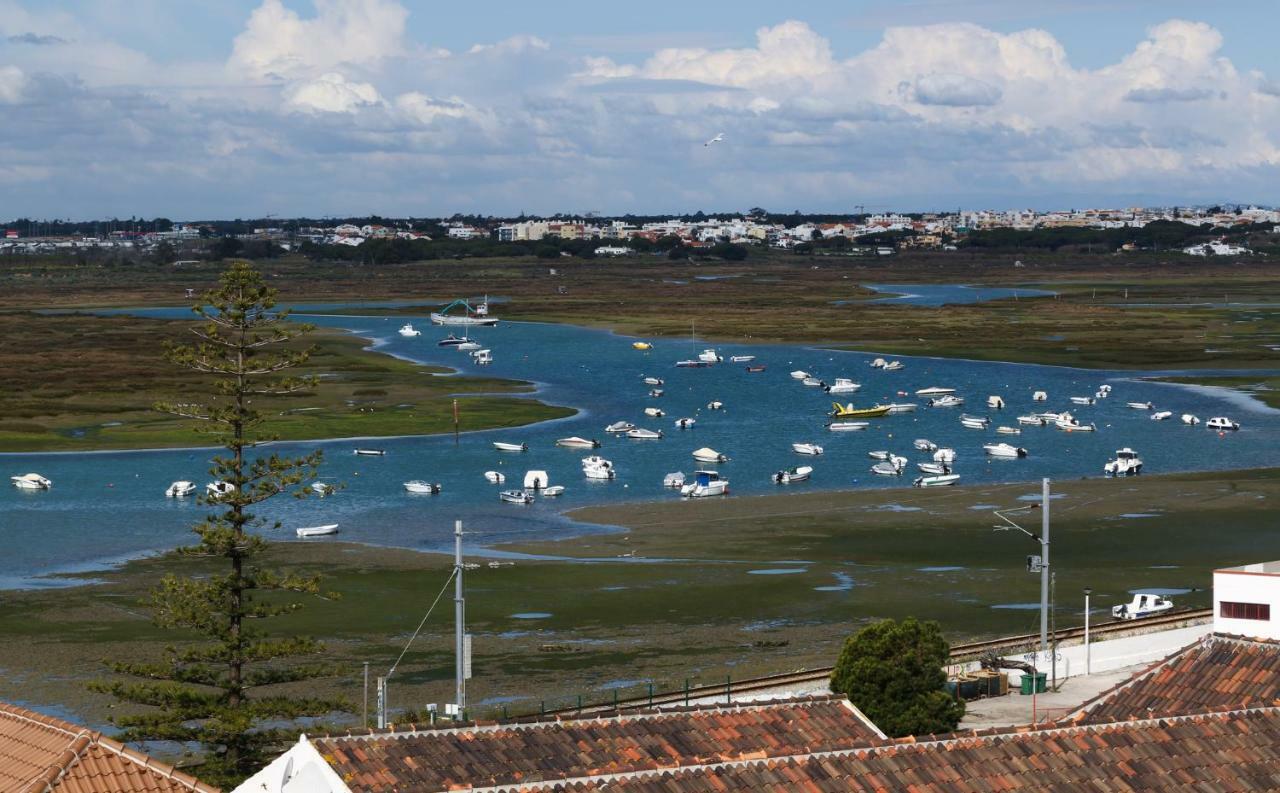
108	506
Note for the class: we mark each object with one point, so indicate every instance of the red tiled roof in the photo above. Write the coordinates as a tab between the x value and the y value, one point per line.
550	750
40	753
1235	751
1217	673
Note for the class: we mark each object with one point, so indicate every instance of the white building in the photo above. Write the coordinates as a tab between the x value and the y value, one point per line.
1246	600
612	250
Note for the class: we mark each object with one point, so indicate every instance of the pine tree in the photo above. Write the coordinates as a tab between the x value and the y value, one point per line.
223	691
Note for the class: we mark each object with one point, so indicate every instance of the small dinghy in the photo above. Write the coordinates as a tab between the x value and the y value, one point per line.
924	445
515	497
692	364
1008	430
1161	415
370	452
553	491
715	405
755	369
640	434
842	385
1082	400
975	422
812	382
790	475
685	423
878	455
510	447
317	531
709	455
574	442
799	374
536	480
674	480
1032	420
938	480
180	489
652	413
934	468
806	448
848	426
653	381
1139	405
1190	419
618	427
419	486
1040	396
1007	450
495	477
742	358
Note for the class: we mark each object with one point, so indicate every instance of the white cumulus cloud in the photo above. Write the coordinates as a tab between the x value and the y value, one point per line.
331	93
277	42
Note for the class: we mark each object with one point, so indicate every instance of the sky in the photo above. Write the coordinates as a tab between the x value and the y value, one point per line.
196	109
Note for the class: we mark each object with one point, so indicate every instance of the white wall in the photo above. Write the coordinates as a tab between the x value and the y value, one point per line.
1239	585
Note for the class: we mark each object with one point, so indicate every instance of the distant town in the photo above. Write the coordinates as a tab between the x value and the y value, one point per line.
857	234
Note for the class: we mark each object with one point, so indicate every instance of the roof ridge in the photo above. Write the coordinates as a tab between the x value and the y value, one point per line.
546	722
9	710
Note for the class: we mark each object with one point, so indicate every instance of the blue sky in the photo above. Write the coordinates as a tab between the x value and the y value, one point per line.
239	107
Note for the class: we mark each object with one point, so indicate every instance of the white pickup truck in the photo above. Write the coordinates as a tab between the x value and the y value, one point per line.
1144	604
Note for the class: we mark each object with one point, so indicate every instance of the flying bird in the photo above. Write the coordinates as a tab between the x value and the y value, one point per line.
716	139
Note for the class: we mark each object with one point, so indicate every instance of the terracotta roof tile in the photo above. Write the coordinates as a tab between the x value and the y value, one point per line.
39	753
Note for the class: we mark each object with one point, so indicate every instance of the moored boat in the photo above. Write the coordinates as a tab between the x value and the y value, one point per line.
847	426
709	356
925	445
420	486
892	366
452	341
619	427
1161	415
1033	420
790	475
219	489
1222	423
692	364
574	442
641	345
705	483
1126	463
944	455
317	531
407	330
1082	400
813	382
901	407
653	381
936	480
975	422
1140	405
709	455
842	385
934	468
553	491
995	402
1003	430
510	447
641	434
685	423
495	477
1190	419
370	452
799	374
31	482
674	480
715	404
755	369
653	413
742	358
1004	450
471	315
934	391
180	489
806	448
1040	396
839	411
515	497
946	401
536	480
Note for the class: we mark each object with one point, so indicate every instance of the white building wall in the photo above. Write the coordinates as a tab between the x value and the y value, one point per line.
1243	585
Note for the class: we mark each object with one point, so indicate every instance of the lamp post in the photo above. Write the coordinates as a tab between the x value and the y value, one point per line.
1034	564
1087	665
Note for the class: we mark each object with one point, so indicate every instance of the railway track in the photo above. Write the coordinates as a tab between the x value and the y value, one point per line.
959	652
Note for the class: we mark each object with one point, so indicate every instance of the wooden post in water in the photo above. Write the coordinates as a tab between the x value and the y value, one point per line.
455	422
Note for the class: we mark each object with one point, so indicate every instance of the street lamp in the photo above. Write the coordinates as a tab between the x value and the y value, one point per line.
1087	665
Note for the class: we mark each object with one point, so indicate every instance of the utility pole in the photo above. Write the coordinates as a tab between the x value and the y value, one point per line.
382	703
459	629
365	722
1044	569
1087	666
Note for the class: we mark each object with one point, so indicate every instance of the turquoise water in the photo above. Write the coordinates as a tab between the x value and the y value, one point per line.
109	506
944	294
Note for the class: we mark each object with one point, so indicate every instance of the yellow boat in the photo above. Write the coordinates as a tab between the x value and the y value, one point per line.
848	411
642	345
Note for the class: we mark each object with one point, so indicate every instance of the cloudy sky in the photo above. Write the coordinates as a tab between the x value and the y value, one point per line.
224	108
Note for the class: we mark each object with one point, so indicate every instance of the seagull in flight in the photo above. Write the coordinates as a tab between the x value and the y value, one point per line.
717	139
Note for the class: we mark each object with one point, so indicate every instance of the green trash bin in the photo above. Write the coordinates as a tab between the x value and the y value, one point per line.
1034	685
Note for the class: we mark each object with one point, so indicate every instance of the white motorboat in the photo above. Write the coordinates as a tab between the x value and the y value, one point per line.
510	447
878	455
219	489
1040	396
692	364
408	331
995	402
799	374
1105	389
742	358
944	455
937	480
974	422
934	391
495	477
31	482
1162	415
596	460
901	407
452	341
1070	424
1082	400
848	426
574	442
619	427
1144	604
924	445
791	475
482	357
656	413
1003	430
686	423
705	483
1222	423
323	489
1140	405
603	470
715	405
709	355
180	489
1126	463
892	366
1055	417
553	491
843	385
813	382
467	346
1190	419
886	469
1004	450
419	486
640	434
934	468
370	452
806	448
709	455
656	393
1032	420
1099	395
515	497
536	480
317	531
653	381
674	480
946	401
878	363
471	315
